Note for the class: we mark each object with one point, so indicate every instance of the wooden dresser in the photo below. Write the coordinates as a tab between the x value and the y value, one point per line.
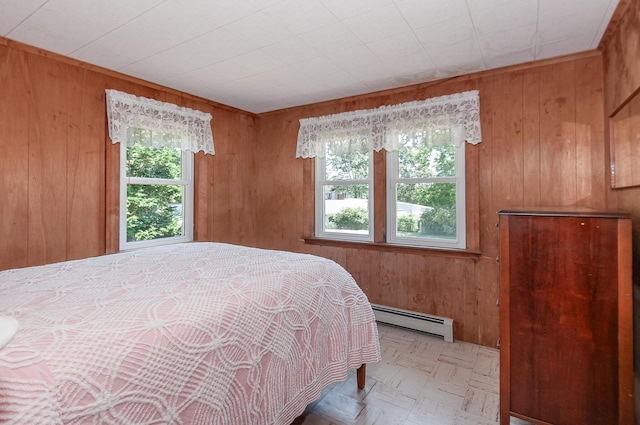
566	340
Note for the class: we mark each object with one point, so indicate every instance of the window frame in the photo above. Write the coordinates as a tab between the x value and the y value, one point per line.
393	178
472	203
187	182
321	181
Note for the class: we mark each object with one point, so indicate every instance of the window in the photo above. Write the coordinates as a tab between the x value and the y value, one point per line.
156	191
158	141
424	167
426	192
344	191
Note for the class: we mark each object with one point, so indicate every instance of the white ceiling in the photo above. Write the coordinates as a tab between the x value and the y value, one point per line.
262	55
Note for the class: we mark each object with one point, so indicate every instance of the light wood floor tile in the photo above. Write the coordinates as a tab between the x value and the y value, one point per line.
428	411
482	403
452	374
445	393
421	380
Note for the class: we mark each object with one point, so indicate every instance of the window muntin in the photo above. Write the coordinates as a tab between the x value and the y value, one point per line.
426	191
156	193
344	191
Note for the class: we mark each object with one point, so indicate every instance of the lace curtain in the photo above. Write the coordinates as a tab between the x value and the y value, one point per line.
383	127
191	128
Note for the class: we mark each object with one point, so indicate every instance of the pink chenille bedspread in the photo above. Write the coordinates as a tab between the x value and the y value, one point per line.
195	333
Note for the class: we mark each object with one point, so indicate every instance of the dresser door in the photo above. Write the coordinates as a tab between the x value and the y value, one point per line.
562	290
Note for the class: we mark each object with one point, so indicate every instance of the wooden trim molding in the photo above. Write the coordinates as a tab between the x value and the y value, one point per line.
625	323
112	198
386	247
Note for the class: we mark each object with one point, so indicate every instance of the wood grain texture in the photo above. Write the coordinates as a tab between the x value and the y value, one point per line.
531	139
625	323
48	159
14	160
505	320
559	318
232	192
86	195
591	163
620	51
558	131
506	140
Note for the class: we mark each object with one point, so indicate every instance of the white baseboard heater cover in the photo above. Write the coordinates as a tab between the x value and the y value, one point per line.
436	325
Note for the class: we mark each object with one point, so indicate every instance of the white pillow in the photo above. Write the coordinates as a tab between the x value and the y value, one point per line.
8	328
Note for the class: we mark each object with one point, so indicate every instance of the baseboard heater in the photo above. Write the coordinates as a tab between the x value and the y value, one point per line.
435	325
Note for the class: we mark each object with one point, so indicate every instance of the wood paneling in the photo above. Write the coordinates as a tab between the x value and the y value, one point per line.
86	153
531	154
48	132
621	50
591	163
60	172
557	129
14	160
230	212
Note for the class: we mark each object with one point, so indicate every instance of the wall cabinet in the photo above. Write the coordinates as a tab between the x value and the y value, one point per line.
566	353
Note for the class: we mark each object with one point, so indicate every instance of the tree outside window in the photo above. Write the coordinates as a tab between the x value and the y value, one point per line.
157	187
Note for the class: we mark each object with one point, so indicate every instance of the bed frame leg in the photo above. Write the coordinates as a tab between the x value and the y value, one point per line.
361	375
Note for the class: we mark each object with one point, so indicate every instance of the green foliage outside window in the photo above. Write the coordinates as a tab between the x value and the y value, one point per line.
434	161
439	222
349	166
439	219
407	224
351	219
153	210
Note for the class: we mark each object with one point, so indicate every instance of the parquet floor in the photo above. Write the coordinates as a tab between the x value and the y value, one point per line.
421	380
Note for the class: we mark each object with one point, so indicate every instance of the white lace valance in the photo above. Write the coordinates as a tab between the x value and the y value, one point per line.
192	128
381	127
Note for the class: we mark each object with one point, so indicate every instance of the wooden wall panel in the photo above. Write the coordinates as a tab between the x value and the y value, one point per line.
530	155
48	137
506	140
14	159
230	215
86	173
531	139
558	132
591	162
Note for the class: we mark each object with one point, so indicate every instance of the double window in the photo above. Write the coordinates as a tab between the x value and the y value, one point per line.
158	142
422	172
425	192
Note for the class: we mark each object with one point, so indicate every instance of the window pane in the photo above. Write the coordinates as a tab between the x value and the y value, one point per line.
426	210
154	211
165	163
346	209
417	159
347	161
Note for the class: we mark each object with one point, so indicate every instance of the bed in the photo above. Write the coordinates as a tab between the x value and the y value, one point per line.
201	333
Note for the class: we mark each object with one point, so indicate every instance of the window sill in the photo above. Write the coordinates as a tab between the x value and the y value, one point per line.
375	246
